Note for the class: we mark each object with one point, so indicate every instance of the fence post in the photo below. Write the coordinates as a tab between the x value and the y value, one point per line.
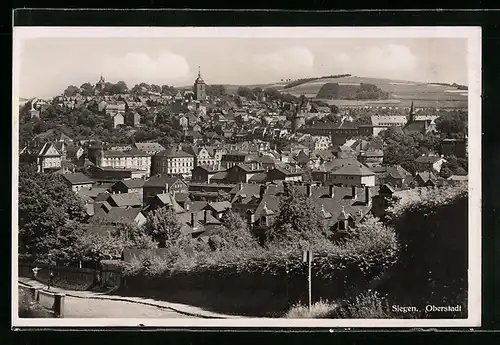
59	304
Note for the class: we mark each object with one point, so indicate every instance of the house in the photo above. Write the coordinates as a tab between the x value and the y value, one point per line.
89	194
117	215
203	174
429	163
353	175
285	172
317	142
149	148
130	186
115	108
118	119
77	181
74	152
165	200
424	179
229	160
242	172
371	158
379	123
395	176
197	223
48	158
110	174
172	161
124	200
218	209
133	119
160	184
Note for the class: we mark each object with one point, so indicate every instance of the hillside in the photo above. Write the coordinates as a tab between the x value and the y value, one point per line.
401	93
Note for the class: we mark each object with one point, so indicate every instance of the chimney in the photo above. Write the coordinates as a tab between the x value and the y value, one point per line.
331	192
206	216
308	190
187	207
192	219
368	197
263	189
240	186
166	188
353	194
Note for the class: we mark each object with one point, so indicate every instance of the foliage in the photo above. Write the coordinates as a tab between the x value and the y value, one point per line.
233	234
353	92
453	124
29	308
454	166
49	216
163	226
400	148
298	220
223	196
319	310
215	90
71	91
368	305
426	221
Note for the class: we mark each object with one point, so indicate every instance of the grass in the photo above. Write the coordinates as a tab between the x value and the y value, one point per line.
319	310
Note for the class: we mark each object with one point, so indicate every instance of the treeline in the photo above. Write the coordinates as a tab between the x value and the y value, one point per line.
89	123
458	86
306	80
364	91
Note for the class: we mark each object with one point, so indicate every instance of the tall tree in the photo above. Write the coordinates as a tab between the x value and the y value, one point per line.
163	226
71	90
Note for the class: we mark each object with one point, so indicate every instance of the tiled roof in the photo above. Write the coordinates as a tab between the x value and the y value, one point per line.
77	178
125	199
174	153
117	214
220	206
167	200
133	183
353	170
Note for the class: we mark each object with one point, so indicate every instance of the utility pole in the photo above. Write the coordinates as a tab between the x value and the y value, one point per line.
307	257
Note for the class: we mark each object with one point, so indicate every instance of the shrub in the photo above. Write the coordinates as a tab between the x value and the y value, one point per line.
29	308
319	310
368	305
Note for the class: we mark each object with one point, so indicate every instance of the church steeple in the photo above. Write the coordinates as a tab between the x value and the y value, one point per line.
412	112
199	87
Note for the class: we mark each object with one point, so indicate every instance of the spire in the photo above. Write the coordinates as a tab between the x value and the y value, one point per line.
199	72
412	108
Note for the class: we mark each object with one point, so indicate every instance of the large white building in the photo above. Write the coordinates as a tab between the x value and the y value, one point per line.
172	162
48	158
131	159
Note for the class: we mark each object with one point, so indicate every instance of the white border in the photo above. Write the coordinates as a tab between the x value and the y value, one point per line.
473	36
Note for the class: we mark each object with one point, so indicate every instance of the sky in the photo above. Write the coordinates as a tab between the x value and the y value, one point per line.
48	65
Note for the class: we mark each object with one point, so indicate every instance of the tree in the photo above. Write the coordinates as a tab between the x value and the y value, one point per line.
216	90
400	148
298	221
246	92
307	175
233	234
272	94
49	216
155	88
120	87
71	90
87	89
163	226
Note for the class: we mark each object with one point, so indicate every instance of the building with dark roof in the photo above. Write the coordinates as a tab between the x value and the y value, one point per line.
353	175
160	184
77	181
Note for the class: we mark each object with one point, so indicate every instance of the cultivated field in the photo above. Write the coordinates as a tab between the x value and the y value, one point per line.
402	93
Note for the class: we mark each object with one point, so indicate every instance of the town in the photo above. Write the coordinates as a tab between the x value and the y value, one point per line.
204	154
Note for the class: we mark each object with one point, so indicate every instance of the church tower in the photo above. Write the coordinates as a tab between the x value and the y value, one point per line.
199	88
412	113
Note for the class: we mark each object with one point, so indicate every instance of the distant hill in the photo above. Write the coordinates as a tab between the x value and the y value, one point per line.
400	92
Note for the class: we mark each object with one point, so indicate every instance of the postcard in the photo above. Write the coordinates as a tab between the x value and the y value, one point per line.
323	177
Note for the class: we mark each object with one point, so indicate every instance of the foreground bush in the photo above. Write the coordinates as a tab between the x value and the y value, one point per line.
368	305
29	308
432	227
319	310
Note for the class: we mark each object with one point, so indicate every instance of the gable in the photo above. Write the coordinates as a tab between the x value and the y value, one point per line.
52	151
